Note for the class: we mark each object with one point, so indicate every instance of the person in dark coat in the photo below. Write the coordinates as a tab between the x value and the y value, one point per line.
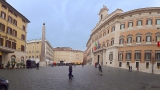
129	68
100	69
70	72
37	66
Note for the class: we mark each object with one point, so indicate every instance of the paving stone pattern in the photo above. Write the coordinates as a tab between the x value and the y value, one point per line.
85	78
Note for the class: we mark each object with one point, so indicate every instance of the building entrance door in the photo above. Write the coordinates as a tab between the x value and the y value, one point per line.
0	59
98	59
137	64
127	64
120	64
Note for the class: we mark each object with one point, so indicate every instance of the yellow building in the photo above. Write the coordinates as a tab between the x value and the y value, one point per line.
67	55
13	32
33	50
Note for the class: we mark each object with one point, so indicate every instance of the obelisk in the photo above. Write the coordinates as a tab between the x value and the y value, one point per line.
42	57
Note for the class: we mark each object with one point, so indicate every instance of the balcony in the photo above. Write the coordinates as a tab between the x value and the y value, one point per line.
7	50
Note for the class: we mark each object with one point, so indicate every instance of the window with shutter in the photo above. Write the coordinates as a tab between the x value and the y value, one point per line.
157	21
1	41
3	15
149	22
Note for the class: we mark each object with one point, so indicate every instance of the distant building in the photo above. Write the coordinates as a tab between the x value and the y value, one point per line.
123	39
67	55
33	50
85	57
13	32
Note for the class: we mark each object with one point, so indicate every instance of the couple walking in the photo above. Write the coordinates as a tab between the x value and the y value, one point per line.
130	68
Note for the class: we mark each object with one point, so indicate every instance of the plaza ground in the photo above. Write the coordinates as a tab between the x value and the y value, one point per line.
85	78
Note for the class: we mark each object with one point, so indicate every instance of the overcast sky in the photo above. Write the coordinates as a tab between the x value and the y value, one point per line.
69	22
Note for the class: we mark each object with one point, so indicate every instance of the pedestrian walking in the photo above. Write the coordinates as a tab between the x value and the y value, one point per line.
138	69
74	64
96	65
37	65
70	72
82	64
129	68
100	70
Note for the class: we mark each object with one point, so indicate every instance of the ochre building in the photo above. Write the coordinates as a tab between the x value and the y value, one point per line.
123	39
67	55
33	50
13	32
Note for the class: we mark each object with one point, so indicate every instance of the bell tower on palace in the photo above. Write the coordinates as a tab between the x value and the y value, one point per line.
103	12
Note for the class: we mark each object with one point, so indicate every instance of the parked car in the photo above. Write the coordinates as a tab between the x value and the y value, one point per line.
4	84
30	64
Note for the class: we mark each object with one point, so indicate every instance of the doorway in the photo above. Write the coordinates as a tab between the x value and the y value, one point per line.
0	59
137	64
98	59
120	64
127	64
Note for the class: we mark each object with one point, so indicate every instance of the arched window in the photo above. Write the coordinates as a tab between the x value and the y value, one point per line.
121	40
13	58
101	16
22	59
138	37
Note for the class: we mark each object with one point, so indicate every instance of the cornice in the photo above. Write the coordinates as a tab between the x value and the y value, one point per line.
13	9
118	15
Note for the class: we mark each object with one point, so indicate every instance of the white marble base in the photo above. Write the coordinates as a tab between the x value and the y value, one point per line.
42	63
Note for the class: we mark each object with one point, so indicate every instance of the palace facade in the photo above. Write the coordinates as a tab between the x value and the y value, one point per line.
123	39
67	55
13	32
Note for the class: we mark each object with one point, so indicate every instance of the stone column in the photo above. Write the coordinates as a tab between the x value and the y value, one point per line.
42	57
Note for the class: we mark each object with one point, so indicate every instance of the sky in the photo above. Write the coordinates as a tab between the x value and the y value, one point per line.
69	22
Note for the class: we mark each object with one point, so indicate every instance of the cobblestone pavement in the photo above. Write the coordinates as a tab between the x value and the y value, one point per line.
85	78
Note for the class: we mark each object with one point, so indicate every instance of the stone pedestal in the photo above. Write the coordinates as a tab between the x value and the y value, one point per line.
42	63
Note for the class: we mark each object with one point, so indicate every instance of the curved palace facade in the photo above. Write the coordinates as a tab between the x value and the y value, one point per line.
128	38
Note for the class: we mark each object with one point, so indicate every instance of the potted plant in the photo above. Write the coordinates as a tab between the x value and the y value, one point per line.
13	63
17	65
8	65
1	66
24	65
21	64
